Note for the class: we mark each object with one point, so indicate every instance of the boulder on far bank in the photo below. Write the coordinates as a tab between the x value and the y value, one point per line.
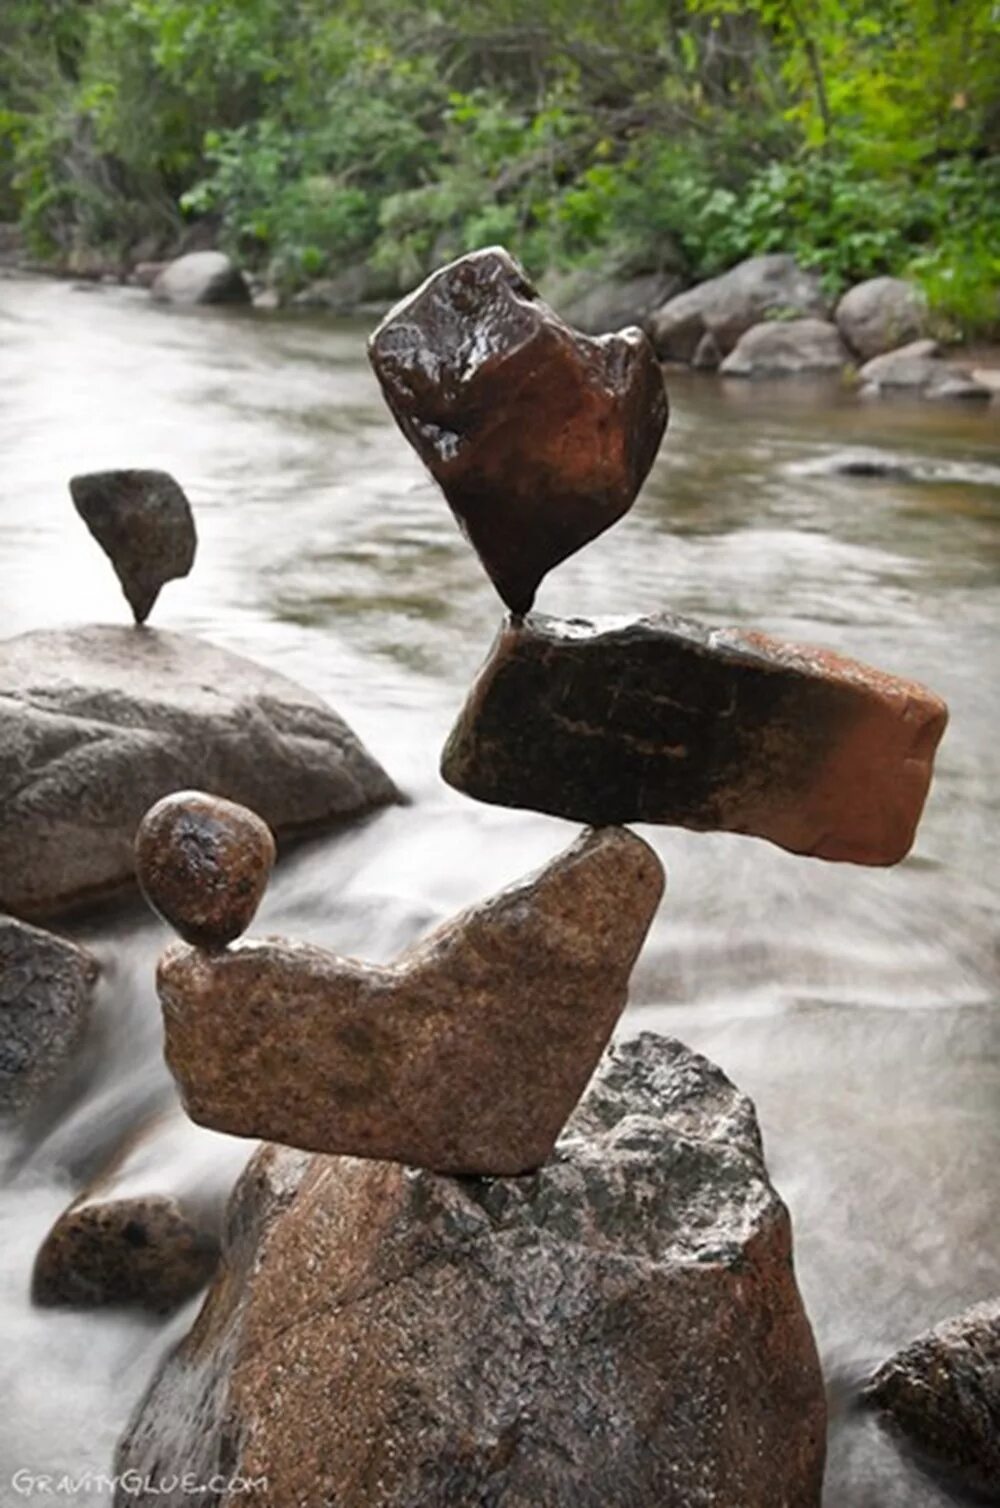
726	307
787	348
46	995
624	1327
601	302
98	723
201	277
919	366
880	315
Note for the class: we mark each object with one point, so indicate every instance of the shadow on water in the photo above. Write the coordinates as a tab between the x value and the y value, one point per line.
858	1008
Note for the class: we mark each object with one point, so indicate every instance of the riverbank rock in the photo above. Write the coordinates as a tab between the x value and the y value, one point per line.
46	995
98	723
467	1054
942	1392
661	719
539	437
622	1328
201	277
144	524
787	348
881	314
726	307
920	366
599	302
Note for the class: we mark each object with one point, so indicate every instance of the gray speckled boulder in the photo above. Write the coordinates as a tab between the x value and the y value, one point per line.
881	314
98	723
761	288
46	991
621	1328
201	277
787	348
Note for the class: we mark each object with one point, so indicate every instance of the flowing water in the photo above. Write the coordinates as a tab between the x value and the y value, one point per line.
857	1007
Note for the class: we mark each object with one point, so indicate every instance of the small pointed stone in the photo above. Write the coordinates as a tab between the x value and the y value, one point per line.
540	437
661	719
143	523
466	1055
203	864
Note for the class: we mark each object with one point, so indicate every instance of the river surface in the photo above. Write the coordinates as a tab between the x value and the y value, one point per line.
857	1007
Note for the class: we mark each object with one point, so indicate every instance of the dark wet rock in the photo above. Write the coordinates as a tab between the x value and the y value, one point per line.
623	1328
880	315
46	994
201	277
143	523
98	723
661	719
920	366
599	302
942	1393
762	288
203	865
467	1054
787	348
539	437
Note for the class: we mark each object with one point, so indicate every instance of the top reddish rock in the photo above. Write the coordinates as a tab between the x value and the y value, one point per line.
540	437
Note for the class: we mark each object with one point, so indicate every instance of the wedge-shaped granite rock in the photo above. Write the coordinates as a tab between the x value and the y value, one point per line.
98	723
143	523
46	995
621	1331
661	719
539	437
466	1055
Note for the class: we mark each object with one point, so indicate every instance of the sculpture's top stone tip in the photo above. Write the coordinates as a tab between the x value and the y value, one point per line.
143	522
203	864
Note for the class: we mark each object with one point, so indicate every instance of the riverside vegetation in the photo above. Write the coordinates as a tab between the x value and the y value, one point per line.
861	136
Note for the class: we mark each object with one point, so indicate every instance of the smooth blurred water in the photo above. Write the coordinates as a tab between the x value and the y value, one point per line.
857	1007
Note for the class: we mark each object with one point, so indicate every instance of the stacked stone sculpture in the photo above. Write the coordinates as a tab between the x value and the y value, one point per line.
143	522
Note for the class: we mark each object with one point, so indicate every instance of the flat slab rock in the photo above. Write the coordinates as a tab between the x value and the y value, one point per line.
623	1328
98	723
467	1054
661	719
46	996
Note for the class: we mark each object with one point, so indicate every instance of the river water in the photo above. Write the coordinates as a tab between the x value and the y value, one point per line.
857	1007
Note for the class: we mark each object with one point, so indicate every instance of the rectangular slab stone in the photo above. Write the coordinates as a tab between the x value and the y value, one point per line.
664	720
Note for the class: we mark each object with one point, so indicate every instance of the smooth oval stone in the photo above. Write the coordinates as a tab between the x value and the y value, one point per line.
203	864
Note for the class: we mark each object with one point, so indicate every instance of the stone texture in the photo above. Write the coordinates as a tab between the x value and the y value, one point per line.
539	437
143	523
467	1054
727	306
942	1392
203	865
98	723
787	348
622	1329
598	301
201	277
661	719
46	993
919	365
880	315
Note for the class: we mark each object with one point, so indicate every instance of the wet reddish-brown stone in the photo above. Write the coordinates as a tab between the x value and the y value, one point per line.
663	720
465	1055
540	437
203	864
143	523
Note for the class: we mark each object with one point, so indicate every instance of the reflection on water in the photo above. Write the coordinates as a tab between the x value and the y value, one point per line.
857	1007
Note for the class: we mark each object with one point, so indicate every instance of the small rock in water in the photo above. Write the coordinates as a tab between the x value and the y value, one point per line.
540	437
203	864
465	1055
143	523
661	719
943	1393
46	993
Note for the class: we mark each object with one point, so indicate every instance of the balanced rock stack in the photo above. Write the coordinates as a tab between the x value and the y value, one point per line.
623	1325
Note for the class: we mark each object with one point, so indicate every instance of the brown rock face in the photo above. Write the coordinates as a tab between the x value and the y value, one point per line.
143	523
46	994
466	1055
539	437
203	864
943	1393
663	720
622	1330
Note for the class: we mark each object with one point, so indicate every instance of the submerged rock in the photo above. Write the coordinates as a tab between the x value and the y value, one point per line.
46	994
661	719
203	865
143	523
725	307
787	348
881	314
201	277
466	1054
539	437
98	723
942	1392
622	1328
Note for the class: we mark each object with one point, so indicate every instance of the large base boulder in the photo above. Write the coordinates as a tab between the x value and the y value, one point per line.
46	994
98	723
622	1328
725	307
